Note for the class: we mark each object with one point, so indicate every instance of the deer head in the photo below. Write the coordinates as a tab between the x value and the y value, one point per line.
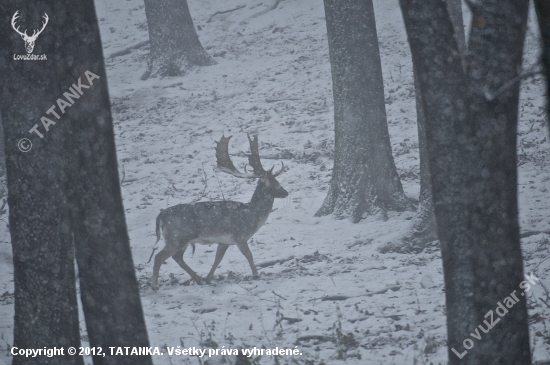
29	40
267	179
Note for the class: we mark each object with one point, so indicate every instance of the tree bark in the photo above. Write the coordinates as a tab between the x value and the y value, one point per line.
46	311
473	165
423	229
364	177
175	45
66	186
543	15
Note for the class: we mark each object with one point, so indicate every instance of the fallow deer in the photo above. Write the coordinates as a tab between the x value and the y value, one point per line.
223	222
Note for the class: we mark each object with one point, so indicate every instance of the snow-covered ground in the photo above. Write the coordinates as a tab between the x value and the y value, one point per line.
334	295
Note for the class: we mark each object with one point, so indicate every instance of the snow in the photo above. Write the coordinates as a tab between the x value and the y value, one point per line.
333	285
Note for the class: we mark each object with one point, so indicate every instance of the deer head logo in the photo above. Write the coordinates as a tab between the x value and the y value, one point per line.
29	40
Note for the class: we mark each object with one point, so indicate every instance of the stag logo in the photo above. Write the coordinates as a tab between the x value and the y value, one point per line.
29	40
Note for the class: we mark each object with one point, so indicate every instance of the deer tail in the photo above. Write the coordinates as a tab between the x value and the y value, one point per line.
159	227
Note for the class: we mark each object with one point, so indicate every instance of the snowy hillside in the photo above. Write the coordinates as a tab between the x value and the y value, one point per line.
324	286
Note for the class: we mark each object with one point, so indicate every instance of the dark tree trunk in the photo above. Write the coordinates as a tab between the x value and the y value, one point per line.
543	15
423	230
364	177
66	186
175	45
46	312
473	165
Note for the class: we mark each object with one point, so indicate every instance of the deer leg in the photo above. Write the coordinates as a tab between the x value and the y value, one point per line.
219	256
243	247
178	257
160	257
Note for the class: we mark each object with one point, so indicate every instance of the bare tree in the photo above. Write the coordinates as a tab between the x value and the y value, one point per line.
175	45
364	177
65	190
471	138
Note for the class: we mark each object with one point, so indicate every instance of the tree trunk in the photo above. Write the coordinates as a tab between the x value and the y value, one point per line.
364	177
46	311
67	186
424	227
175	46
472	156
543	16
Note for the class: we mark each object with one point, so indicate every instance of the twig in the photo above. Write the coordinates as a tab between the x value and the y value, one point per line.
384	316
280	296
276	100
150	257
123	175
133	180
220	185
256	295
225	12
2	211
492	96
320	338
203	191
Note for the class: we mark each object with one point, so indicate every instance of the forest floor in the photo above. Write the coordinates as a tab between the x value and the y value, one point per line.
332	294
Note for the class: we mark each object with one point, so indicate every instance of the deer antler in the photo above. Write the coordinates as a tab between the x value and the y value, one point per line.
278	172
254	157
13	19
36	33
224	161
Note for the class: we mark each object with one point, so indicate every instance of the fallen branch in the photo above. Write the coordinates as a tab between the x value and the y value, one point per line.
274	262
532	233
225	12
320	338
277	100
127	50
334	297
260	13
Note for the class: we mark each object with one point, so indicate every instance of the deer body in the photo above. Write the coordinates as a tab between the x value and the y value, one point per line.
223	222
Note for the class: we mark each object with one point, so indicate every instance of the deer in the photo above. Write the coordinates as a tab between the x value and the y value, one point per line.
224	222
29	40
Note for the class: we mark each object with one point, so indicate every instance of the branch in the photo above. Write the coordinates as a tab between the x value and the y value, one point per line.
225	12
2	210
123	175
277	100
274	262
272	7
202	194
128	50
150	257
492	96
